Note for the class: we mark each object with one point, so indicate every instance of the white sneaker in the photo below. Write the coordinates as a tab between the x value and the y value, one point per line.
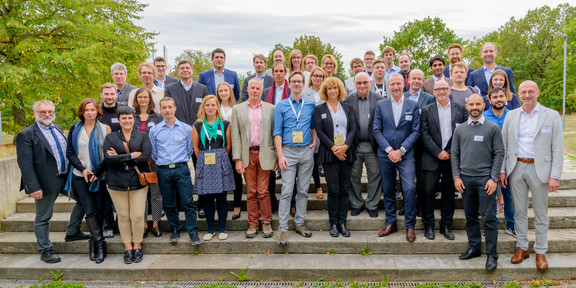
222	236
208	236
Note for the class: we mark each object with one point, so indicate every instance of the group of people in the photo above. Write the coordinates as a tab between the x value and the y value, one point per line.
460	130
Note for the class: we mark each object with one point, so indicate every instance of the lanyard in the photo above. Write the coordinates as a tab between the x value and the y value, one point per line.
209	138
300	112
334	113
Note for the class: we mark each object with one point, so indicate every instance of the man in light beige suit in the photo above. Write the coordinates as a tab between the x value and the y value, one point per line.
254	153
534	156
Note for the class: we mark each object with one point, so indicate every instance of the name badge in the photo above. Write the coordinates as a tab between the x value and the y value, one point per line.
323	115
408	117
198	100
297	137
178	138
338	139
114	120
478	138
209	158
151	124
219	132
546	129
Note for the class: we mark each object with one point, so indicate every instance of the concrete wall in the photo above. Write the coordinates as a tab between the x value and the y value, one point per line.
10	192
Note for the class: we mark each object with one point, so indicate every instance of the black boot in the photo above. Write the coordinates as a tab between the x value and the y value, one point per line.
92	250
97	238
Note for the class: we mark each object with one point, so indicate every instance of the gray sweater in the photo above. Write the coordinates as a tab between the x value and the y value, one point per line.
477	150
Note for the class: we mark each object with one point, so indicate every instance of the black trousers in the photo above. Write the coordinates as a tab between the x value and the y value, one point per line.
92	202
429	183
474	198
338	184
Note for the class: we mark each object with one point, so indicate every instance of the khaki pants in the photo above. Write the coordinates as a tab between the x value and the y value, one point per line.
130	209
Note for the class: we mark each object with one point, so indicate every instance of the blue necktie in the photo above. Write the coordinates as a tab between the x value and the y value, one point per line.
62	161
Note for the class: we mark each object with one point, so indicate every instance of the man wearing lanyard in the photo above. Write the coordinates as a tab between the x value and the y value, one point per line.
295	139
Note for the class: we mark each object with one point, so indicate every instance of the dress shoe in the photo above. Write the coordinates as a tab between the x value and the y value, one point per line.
519	256
402	211
334	230
469	254
175	236
389	229
491	263
447	233
128	256
145	235
236	216
373	213
410	235
138	256
321	171
201	214
156	231
541	262
76	237
343	230
356	212
429	233
49	256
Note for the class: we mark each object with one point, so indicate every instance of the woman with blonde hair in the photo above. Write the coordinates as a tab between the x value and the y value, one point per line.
295	63
500	79
330	66
212	143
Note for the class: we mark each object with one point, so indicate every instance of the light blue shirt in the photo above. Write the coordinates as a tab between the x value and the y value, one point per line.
436	78
186	87
218	78
488	73
414	96
158	83
394	69
171	145
285	120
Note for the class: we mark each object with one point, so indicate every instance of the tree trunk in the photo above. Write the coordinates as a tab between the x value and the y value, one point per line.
18	110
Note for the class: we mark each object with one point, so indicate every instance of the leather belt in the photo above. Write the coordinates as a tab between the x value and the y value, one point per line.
526	160
173	165
255	148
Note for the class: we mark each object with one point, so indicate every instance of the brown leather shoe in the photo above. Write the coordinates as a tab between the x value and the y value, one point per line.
541	262
410	236
519	256
389	229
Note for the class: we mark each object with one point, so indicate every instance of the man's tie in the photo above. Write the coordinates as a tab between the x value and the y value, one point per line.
62	161
474	123
406	81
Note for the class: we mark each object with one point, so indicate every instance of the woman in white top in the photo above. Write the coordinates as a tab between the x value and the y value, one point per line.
224	95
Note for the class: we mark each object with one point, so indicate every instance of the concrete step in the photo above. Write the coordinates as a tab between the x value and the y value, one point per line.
281	267
560	241
562	198
560	217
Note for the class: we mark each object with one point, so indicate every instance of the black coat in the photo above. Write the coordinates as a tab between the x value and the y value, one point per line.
352	99
325	131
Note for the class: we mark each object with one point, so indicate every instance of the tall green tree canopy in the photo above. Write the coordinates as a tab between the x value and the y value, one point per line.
62	51
309	45
422	39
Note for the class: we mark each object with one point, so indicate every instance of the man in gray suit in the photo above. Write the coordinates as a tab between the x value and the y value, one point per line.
363	101
534	157
161	78
187	94
259	63
119	74
255	155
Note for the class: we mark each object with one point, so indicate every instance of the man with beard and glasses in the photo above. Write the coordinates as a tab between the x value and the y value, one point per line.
41	154
477	155
497	113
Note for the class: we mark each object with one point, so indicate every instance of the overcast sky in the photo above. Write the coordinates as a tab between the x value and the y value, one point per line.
245	28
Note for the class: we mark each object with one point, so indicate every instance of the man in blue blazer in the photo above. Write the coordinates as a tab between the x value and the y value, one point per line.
396	130
481	76
218	73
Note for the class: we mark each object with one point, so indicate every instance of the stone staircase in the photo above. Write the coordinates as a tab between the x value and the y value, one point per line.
304	259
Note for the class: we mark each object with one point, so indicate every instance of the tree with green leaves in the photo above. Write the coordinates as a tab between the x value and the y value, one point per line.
201	62
62	51
309	45
422	39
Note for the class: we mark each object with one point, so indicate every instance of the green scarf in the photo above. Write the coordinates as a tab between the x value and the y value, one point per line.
212	131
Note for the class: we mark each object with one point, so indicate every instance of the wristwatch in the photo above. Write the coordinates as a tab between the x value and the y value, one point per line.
402	151
494	179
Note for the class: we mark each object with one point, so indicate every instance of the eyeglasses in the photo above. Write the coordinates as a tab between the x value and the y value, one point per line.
42	112
328	64
442	89
296	81
318	76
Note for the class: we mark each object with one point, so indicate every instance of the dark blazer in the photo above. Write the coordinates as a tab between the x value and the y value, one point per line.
38	166
264	96
124	94
432	136
478	79
447	73
428	85
153	119
207	79
186	110
268	82
325	131
424	99
120	172
352	100
404	135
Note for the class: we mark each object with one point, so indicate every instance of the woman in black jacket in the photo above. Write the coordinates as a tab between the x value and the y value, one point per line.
336	127
125	150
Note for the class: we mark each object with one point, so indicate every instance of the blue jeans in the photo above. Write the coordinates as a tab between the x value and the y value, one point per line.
172	181
508	206
406	169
